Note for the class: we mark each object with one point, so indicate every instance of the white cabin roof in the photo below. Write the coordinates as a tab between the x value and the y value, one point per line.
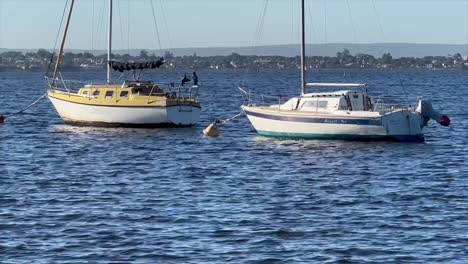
337	84
335	93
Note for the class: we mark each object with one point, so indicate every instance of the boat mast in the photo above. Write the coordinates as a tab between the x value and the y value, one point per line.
303	62
109	47
60	55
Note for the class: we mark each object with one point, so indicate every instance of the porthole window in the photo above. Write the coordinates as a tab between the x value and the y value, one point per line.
109	93
96	93
124	94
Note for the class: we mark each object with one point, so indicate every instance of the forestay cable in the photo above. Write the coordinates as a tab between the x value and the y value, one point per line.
57	38
384	38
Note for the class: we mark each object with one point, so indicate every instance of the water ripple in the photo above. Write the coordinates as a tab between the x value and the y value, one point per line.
93	195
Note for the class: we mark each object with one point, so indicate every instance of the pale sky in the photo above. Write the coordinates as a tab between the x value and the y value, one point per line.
26	24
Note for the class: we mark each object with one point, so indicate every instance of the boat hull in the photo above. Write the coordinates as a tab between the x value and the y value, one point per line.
126	116
398	126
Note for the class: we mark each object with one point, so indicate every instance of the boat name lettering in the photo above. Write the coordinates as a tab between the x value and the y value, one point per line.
335	121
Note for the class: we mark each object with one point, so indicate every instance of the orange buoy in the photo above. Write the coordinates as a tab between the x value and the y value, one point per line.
211	131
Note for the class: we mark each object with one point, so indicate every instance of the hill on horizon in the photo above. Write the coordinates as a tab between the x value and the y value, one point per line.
290	50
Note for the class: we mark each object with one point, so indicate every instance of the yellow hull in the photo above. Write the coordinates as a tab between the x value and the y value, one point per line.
124	106
112	96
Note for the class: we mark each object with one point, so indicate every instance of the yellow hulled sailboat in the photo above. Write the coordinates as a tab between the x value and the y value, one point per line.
133	103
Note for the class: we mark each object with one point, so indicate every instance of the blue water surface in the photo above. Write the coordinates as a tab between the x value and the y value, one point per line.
119	195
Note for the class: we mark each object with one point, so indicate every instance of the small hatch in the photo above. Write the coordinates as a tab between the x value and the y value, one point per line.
124	94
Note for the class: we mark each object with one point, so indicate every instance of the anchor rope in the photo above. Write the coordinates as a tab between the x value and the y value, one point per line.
29	106
222	122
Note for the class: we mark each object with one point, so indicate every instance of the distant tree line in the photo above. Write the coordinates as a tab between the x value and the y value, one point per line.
344	59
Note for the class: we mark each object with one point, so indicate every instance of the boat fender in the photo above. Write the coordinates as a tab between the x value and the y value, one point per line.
428	112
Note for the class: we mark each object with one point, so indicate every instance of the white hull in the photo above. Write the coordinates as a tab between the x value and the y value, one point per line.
400	125
132	116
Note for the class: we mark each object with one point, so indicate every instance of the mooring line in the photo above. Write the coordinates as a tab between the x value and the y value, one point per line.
2	118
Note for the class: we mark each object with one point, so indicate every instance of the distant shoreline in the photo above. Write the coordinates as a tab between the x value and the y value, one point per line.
40	60
182	70
398	50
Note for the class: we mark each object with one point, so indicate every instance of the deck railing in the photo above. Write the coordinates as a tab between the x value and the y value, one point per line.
253	99
187	91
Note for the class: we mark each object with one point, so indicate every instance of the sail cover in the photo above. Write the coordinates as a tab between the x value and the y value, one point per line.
130	66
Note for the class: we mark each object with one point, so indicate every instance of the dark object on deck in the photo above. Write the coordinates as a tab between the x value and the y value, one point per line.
195	78
129	66
184	80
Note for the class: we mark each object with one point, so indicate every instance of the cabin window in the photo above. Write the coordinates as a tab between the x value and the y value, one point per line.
315	104
124	94
322	104
85	92
96	93
356	96
109	93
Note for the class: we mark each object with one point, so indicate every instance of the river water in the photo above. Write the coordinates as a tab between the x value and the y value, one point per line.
110	195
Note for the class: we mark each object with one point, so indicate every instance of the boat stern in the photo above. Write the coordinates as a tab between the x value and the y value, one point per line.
403	125
427	112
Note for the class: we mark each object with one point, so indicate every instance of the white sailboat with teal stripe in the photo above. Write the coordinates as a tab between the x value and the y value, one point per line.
348	114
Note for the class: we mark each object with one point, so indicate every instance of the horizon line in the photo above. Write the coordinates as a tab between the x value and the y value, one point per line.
263	45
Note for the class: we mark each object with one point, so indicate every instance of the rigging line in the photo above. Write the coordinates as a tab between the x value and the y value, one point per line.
403	87
92	26
325	22
261	22
292	22
379	22
1	24
128	26
292	48
353	27
257	26
351	20
256	38
314	33
61	24
262	27
466	45
166	25
156	25
120	21
57	38
377	14
99	26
